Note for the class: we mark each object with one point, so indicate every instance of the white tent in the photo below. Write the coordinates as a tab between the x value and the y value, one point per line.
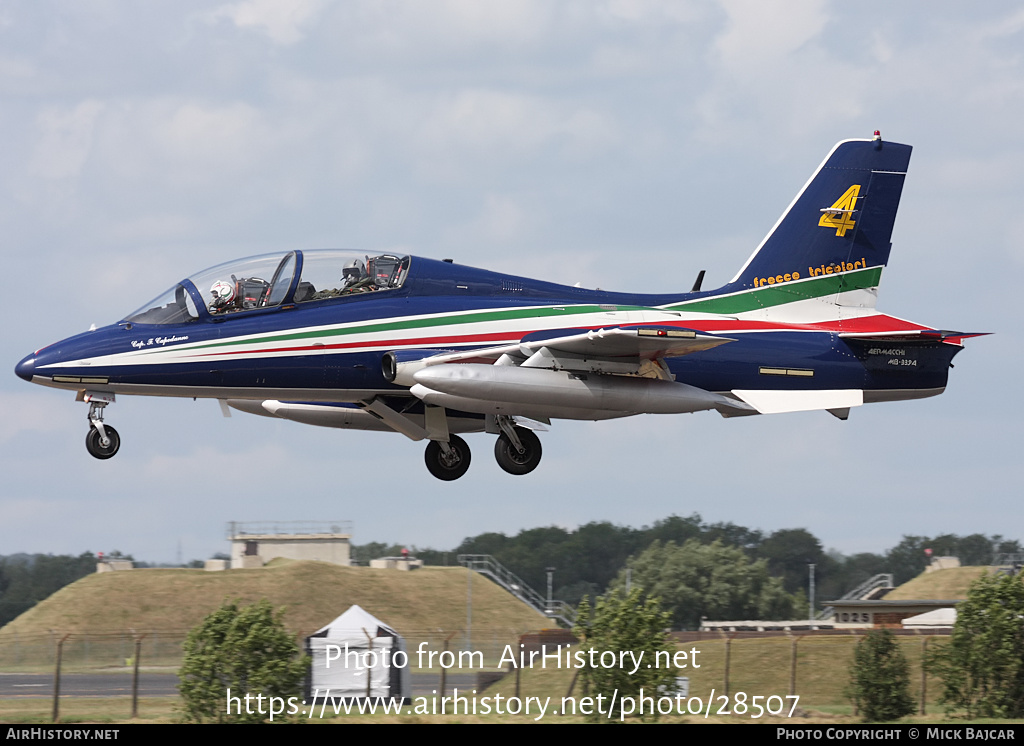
358	656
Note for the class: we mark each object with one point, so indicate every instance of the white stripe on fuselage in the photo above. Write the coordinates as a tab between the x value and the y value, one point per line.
313	338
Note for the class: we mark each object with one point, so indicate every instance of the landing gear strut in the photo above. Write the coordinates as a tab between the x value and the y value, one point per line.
102	441
517	449
447	461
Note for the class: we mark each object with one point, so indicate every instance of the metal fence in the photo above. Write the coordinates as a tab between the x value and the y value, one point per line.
91	651
113	650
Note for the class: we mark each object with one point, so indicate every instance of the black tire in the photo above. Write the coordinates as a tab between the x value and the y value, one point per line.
513	461
96	448
451	467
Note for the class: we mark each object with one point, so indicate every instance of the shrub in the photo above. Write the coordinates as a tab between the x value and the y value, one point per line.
880	678
246	651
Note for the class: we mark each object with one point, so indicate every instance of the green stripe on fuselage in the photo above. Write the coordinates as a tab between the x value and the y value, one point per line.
729	305
789	292
421	322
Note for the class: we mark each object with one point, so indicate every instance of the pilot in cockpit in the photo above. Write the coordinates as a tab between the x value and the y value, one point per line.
223	293
238	295
354	279
352	273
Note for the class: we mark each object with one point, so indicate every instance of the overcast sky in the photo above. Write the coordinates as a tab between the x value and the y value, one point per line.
623	144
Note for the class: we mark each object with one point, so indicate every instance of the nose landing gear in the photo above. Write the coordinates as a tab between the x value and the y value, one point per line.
102	441
102	445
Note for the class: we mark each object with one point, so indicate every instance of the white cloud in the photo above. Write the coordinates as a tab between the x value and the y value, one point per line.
38	411
451	26
166	153
650	11
1007	25
16	72
283	21
205	138
775	71
484	125
481	22
760	34
501	220
490	120
64	140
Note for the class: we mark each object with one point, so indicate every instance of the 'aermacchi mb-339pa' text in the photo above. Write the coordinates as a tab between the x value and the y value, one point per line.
430	349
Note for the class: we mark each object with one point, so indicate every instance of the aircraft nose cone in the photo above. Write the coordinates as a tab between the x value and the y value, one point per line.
26	368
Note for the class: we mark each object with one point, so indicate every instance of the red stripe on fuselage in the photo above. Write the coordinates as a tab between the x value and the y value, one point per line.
464	339
876	324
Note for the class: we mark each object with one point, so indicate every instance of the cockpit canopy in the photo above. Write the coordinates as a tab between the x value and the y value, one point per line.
272	280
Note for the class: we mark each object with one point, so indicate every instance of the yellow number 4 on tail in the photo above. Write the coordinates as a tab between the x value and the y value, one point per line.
840	214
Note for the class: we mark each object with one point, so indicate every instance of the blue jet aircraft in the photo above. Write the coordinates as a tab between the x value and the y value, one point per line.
431	348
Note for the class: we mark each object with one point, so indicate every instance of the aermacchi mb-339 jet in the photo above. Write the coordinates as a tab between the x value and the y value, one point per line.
430	349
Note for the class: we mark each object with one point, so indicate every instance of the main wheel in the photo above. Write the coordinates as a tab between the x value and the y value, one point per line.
94	443
448	466
510	459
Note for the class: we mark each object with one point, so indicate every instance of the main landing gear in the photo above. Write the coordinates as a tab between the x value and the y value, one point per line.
517	451
102	441
448	461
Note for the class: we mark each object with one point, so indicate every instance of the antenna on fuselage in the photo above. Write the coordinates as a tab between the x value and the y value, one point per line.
698	282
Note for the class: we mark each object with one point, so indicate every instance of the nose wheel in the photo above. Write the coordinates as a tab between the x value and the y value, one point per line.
447	461
102	441
519	457
102	446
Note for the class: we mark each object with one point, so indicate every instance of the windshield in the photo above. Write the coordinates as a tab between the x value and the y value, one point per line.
175	306
270	280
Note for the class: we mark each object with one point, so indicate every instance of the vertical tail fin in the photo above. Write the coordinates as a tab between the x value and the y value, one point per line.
837	230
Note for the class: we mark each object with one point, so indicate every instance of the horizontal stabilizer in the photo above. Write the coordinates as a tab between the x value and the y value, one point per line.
945	335
934	335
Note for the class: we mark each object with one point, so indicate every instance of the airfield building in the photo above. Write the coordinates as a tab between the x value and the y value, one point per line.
254	544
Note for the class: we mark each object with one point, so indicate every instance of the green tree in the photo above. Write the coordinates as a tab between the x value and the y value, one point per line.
630	624
789	552
907	559
27	579
243	651
982	665
708	580
880	678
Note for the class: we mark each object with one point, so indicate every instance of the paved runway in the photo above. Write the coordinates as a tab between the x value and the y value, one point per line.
25	685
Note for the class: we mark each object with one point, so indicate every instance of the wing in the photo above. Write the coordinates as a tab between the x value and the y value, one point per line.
624	350
595	374
545	375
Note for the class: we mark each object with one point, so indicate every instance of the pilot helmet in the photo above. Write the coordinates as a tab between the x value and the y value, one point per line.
353	271
223	293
